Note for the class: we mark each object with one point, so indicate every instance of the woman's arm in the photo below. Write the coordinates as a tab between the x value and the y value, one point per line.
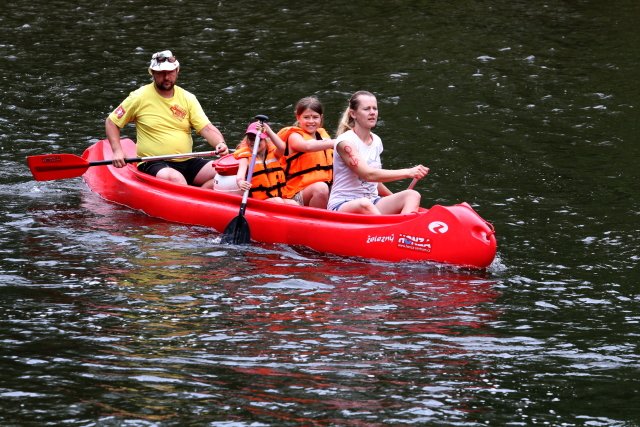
350	156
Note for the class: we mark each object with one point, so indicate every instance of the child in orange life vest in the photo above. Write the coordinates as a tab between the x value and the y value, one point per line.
268	178
308	155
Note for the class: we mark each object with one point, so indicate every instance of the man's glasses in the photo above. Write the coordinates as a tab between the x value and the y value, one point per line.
161	57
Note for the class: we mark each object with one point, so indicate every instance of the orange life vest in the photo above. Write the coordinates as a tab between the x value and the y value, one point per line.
268	176
305	168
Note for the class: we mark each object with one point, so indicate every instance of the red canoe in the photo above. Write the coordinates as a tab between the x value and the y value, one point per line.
454	235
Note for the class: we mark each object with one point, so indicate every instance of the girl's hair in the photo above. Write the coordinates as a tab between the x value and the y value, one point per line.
309	102
245	143
347	122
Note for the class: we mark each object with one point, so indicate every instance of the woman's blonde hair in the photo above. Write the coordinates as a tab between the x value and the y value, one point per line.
347	122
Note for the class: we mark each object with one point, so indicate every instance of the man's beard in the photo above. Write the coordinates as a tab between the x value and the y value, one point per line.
164	86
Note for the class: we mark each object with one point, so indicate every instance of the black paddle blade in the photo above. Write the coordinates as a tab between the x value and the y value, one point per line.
237	232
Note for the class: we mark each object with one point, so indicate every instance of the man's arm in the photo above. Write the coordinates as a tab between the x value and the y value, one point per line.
215	139
113	135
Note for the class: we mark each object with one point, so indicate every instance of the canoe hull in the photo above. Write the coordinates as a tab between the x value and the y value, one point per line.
444	234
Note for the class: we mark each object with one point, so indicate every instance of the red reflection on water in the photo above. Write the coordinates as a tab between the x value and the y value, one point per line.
305	338
343	338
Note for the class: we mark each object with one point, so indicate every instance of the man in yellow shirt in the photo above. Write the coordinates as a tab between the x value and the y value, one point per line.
164	115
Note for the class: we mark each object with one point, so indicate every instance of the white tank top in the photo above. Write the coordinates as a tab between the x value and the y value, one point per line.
346	184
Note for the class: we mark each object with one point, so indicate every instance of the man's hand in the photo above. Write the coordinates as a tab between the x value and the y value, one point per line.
222	149
118	159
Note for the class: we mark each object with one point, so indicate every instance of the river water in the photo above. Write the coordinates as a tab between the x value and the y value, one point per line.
527	110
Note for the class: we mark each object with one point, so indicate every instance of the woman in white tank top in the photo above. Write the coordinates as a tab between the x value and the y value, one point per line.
357	170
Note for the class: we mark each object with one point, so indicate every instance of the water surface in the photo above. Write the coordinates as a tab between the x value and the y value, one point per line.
526	110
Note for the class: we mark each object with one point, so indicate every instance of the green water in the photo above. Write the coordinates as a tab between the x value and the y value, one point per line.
526	110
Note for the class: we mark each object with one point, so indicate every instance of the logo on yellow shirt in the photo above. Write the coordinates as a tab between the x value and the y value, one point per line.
120	111
178	112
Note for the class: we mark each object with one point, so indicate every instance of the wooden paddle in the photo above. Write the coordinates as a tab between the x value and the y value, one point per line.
237	231
414	181
46	167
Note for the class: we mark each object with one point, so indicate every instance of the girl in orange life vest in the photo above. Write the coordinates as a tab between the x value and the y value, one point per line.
308	155
268	179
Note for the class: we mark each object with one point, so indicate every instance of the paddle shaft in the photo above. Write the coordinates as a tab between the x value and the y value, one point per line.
238	231
47	167
154	158
414	181
252	164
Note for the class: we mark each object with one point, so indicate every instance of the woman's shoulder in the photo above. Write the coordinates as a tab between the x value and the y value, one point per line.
346	135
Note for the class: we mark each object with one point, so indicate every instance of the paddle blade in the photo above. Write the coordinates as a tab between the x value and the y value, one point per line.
237	232
46	167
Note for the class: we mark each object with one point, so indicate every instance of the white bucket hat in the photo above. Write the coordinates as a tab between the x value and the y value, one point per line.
163	61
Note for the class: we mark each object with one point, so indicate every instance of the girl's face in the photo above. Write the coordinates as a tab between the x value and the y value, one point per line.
261	146
309	121
366	114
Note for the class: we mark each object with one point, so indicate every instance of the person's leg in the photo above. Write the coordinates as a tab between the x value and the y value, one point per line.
172	175
316	195
274	200
162	170
406	201
205	173
360	206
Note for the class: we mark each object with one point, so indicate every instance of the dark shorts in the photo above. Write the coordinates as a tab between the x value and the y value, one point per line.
189	168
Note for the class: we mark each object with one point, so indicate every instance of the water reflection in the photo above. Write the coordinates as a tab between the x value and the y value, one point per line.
525	110
285	343
144	313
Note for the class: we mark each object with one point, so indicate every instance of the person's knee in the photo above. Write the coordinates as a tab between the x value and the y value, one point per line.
415	196
366	206
320	189
172	175
323	188
412	202
317	195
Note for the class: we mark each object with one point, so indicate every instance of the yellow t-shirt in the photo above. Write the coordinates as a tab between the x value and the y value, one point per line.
163	125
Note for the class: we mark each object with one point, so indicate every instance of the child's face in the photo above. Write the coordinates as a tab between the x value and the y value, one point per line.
309	121
261	146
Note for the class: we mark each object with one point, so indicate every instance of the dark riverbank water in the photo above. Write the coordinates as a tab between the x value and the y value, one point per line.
528	111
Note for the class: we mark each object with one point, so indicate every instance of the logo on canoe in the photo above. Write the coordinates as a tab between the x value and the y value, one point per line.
415	243
438	227
381	239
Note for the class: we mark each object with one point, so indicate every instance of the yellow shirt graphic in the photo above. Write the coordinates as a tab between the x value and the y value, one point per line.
163	125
